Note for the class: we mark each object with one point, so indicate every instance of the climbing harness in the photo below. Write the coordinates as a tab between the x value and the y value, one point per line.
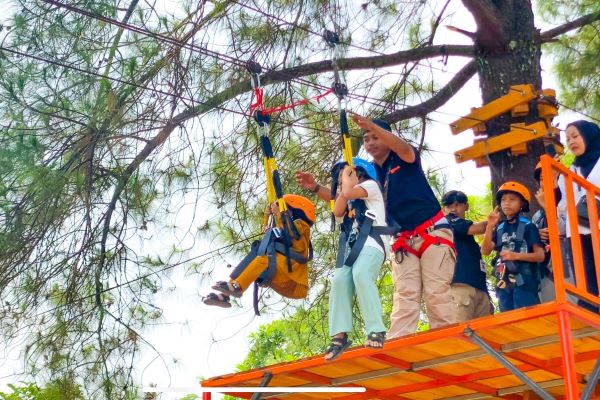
269	246
352	236
404	241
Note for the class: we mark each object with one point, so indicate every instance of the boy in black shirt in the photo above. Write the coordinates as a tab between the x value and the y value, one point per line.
469	289
518	246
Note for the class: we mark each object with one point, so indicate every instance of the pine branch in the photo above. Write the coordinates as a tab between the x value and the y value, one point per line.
569	26
384	60
439	99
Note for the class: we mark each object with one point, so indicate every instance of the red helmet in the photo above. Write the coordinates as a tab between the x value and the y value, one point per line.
516	188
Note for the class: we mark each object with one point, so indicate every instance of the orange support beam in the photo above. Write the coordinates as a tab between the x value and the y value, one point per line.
568	355
516	136
311	377
456	381
518	94
392	361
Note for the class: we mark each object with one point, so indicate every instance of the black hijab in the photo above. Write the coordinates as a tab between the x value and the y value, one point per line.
591	137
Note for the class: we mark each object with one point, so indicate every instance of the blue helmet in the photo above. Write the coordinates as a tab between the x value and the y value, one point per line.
366	166
358	162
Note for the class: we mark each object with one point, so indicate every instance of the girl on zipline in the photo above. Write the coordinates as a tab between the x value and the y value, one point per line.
362	252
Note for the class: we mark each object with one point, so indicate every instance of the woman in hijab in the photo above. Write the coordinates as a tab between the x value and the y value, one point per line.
583	139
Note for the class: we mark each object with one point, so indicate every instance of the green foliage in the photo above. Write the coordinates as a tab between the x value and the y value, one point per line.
190	397
576	55
480	206
55	390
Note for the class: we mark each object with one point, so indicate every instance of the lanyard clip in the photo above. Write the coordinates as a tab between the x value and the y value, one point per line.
340	90
255	70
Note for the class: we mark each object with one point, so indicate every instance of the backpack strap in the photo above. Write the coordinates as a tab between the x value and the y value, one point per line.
364	231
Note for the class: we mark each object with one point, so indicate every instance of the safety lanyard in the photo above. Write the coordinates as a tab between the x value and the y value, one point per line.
273	179
341	90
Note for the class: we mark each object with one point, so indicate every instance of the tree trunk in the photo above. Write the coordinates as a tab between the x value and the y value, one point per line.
508	53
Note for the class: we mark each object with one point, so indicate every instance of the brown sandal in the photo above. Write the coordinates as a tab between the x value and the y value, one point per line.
337	347
225	288
217	299
377	337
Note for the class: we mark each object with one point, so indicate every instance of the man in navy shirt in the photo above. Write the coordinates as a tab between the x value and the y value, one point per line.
424	257
469	288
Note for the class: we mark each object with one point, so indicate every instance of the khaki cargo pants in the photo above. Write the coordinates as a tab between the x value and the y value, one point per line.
430	277
470	303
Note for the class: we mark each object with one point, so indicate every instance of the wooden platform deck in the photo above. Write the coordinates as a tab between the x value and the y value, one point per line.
447	363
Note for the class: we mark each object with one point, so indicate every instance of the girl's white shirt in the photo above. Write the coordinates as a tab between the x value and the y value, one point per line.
374	202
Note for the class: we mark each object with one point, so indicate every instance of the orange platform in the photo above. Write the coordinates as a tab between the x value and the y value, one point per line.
446	364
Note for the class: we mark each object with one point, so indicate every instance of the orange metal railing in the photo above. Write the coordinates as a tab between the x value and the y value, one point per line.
550	169
571	179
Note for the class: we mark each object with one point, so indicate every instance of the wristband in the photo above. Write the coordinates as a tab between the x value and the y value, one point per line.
316	189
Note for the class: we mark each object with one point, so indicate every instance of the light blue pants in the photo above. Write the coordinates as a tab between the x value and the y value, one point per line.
360	278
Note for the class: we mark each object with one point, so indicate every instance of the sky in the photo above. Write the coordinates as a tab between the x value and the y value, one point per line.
197	341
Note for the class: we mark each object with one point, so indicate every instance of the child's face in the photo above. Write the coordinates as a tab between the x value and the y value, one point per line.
456	208
511	204
575	141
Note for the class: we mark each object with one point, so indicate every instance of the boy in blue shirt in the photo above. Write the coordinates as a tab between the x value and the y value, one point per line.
469	287
518	247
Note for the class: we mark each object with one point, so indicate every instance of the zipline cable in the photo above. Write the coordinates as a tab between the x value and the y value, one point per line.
307	30
193	48
149	89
